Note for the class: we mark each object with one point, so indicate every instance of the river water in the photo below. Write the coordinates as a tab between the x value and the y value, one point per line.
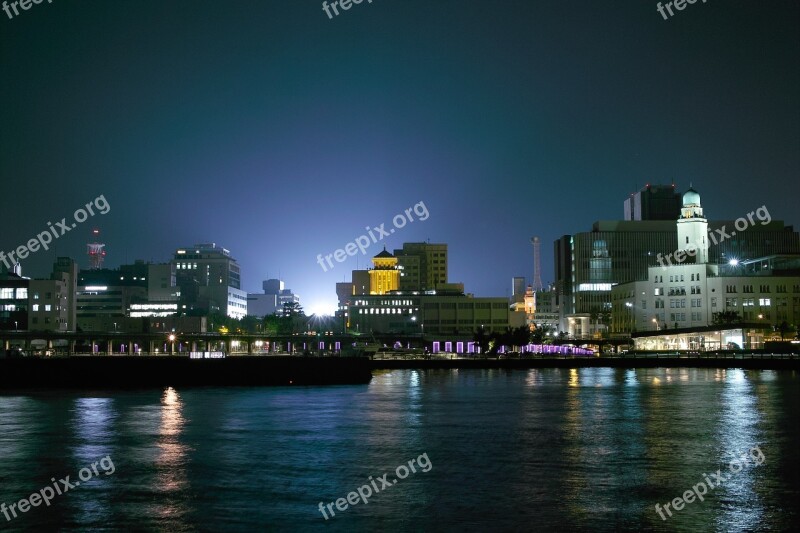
590	449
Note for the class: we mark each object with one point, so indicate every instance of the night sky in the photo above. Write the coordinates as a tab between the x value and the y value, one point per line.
278	133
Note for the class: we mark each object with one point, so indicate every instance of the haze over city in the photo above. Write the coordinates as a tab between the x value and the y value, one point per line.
281	134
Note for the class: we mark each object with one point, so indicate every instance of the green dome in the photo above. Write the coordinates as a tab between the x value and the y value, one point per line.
691	197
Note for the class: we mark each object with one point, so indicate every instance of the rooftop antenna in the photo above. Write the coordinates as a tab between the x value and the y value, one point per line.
96	251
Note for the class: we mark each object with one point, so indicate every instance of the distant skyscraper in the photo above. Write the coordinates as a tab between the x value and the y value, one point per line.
653	202
518	289
422	265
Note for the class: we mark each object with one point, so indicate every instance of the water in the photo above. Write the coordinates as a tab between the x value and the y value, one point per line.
538	450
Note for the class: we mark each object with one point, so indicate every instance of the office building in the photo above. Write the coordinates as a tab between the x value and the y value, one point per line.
517	290
422	265
272	301
688	295
589	264
209	280
437	316
39	304
653	202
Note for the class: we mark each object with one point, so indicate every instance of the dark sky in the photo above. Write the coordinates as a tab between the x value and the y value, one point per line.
271	130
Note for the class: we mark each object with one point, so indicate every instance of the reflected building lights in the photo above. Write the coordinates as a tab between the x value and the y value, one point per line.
171	460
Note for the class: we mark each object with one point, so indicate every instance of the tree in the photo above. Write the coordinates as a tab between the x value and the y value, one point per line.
482	339
784	328
605	318
292	315
541	334
726	318
520	336
510	338
293	309
250	324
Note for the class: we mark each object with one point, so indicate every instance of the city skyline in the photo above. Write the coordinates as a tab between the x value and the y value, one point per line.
324	304
278	257
518	120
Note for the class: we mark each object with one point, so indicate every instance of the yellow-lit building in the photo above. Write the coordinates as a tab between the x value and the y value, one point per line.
384	275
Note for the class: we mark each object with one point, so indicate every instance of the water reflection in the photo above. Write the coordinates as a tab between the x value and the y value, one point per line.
94	426
738	434
172	457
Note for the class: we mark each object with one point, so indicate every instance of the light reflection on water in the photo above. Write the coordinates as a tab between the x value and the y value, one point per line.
548	449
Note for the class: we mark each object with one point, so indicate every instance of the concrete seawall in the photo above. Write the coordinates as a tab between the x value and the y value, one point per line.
164	371
591	362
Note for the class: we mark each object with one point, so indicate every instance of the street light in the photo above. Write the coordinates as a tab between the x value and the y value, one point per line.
172	340
655	321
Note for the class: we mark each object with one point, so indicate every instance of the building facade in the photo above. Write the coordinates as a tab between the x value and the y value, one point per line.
691	293
588	265
271	302
422	265
436	316
209	280
39	304
653	202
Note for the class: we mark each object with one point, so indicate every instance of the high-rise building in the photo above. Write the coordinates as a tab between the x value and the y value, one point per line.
209	280
653	202
517	290
589	264
422	265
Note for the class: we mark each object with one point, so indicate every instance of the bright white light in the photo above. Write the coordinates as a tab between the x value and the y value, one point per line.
322	309
733	262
